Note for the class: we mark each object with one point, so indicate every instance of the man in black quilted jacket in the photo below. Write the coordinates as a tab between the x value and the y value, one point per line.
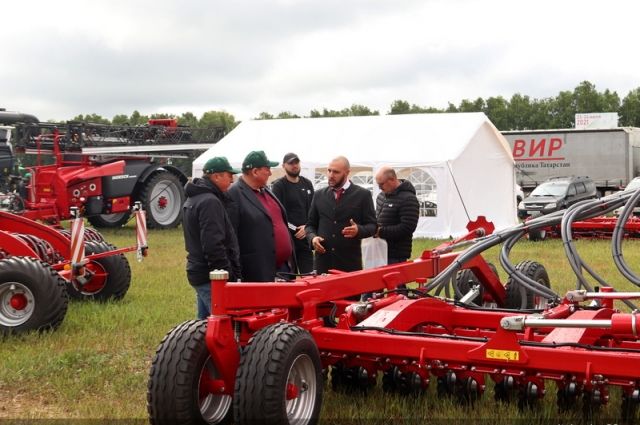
397	211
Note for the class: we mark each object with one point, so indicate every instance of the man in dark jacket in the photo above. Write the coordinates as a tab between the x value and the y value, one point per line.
260	222
296	192
340	216
397	211
208	234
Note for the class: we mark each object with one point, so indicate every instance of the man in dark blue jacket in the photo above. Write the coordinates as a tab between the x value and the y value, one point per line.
208	233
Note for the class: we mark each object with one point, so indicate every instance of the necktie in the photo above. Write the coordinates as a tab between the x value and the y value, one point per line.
339	193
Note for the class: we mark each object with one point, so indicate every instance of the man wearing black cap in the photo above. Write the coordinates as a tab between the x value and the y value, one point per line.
296	192
260	223
208	233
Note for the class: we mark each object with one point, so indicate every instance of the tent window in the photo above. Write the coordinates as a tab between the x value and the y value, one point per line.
363	178
426	191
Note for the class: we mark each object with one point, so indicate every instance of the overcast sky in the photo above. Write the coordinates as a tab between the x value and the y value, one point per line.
61	58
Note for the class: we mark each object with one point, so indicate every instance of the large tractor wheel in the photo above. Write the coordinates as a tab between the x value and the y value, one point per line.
279	380
519	297
32	296
162	197
105	221
111	275
179	378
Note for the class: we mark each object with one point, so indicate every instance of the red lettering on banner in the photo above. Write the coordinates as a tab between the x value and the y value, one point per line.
518	148
554	144
538	150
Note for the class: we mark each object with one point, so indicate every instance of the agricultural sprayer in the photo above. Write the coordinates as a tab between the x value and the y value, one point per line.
41	267
268	349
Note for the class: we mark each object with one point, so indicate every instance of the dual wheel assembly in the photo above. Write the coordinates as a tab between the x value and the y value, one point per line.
279	379
34	297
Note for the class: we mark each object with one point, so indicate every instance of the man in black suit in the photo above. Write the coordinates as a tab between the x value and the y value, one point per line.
260	223
340	216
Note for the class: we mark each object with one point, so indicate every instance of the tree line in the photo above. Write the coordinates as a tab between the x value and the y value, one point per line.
520	112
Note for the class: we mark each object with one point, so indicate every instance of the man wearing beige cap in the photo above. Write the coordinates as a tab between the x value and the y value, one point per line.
266	247
208	232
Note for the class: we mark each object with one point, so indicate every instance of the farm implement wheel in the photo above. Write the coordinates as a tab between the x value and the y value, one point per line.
279	379
178	381
350	380
109	220
162	197
110	277
404	383
32	296
519	297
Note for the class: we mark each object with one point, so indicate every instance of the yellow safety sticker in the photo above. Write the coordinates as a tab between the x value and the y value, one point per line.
510	356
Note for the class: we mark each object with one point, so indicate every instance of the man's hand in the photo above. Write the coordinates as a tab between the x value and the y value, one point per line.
350	231
300	233
317	244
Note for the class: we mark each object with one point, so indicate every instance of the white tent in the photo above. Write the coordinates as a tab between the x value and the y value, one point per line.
460	164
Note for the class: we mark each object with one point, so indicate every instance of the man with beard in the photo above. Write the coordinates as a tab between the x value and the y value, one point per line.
340	216
296	192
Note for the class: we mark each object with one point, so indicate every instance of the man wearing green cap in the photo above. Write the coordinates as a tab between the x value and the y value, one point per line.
208	232
265	243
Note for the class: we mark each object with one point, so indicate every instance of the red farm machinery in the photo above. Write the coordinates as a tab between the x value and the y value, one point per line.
42	267
269	350
102	170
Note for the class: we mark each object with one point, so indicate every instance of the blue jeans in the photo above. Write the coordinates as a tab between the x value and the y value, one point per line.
203	300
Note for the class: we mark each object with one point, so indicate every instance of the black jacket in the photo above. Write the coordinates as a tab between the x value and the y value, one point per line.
208	234
254	229
398	214
327	218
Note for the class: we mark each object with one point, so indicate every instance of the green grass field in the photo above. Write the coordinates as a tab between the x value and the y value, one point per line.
96	364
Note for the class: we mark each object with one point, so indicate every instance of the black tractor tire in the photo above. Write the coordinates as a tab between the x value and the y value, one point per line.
112	275
174	392
162	197
32	296
279	380
519	297
108	221
537	235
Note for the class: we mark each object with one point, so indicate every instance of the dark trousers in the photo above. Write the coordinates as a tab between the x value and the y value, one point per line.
305	260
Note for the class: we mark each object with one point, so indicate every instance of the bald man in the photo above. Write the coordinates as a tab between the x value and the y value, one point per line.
340	216
397	212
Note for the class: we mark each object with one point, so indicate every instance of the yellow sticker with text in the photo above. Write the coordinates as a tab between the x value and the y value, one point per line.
510	356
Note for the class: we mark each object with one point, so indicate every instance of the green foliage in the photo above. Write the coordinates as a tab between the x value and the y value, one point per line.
630	109
91	118
218	118
353	111
520	112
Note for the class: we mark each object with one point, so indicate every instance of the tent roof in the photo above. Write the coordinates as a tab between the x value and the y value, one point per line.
366	140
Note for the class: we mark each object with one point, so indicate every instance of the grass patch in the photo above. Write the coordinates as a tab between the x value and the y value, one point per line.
96	364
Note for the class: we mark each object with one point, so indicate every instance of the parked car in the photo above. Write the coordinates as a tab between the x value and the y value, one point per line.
557	194
633	185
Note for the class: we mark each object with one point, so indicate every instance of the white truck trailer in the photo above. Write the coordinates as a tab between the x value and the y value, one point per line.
611	157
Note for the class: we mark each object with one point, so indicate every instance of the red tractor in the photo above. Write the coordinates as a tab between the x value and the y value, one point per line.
41	267
265	352
100	169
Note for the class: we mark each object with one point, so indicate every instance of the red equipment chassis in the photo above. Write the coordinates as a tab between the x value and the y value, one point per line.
262	355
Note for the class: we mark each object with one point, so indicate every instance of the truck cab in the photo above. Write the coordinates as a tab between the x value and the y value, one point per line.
557	193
